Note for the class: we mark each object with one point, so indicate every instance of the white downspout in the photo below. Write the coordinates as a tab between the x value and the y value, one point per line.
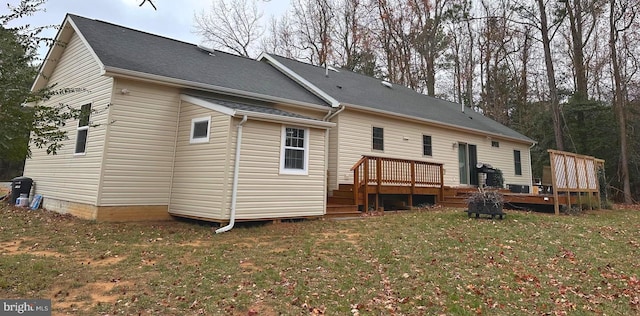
236	171
531	167
329	115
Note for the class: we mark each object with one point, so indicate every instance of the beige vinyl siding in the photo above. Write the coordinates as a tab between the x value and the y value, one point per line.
140	146
201	185
354	140
66	176
265	193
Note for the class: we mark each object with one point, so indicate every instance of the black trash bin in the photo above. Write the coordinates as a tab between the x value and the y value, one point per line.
20	185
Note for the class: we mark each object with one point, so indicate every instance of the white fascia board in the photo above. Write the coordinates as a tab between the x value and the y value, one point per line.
297	78
131	74
438	123
208	105
285	119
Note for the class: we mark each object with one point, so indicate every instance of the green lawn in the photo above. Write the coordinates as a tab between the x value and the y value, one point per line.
412	263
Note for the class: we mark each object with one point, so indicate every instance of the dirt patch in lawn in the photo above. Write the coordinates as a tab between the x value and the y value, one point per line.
18	247
196	243
87	296
343	235
103	261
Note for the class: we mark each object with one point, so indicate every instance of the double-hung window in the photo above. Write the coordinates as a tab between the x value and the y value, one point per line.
426	145
377	139
517	162
83	129
294	156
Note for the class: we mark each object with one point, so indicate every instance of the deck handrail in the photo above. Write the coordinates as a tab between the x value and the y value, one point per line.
373	170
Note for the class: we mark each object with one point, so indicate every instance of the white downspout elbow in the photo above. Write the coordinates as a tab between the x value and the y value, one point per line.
330	115
236	172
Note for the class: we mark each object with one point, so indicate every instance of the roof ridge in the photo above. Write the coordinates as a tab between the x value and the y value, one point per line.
153	34
371	78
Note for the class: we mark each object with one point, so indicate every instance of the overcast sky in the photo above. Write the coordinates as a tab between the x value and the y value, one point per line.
174	18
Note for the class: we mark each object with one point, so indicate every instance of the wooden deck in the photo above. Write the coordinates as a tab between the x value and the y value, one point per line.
342	204
397	184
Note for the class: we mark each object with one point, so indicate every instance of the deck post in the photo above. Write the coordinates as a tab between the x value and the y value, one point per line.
554	184
441	183
366	185
413	182
379	180
566	179
356	184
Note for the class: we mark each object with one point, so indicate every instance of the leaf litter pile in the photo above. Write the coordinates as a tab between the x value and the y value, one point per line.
411	263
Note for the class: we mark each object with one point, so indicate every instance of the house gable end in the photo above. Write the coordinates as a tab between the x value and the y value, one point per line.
48	66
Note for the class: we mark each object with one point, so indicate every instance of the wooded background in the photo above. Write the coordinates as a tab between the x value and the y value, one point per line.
563	72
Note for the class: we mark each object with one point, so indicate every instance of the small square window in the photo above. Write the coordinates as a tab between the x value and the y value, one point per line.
426	145
378	138
495	144
200	130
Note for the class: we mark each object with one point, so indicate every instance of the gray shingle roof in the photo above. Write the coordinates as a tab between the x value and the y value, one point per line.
352	88
245	106
129	49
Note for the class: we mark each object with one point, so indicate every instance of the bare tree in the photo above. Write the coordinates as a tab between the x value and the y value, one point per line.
543	26
353	37
395	43
582	16
499	73
428	37
622	13
231	25
314	21
281	38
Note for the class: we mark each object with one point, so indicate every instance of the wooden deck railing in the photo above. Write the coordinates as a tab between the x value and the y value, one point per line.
379	171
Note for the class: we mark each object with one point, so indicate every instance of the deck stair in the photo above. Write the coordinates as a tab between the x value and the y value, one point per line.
341	203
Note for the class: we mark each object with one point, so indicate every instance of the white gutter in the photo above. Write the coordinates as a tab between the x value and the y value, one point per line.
119	72
530	168
285	119
236	174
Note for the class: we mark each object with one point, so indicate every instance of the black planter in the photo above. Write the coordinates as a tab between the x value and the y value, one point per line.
488	208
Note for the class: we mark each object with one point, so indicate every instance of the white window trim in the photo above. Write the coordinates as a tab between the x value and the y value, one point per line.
200	139
283	140
78	129
82	128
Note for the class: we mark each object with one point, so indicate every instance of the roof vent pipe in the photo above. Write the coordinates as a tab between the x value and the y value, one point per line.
209	50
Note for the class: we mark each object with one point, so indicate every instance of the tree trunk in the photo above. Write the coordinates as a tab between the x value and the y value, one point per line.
576	26
553	91
619	103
